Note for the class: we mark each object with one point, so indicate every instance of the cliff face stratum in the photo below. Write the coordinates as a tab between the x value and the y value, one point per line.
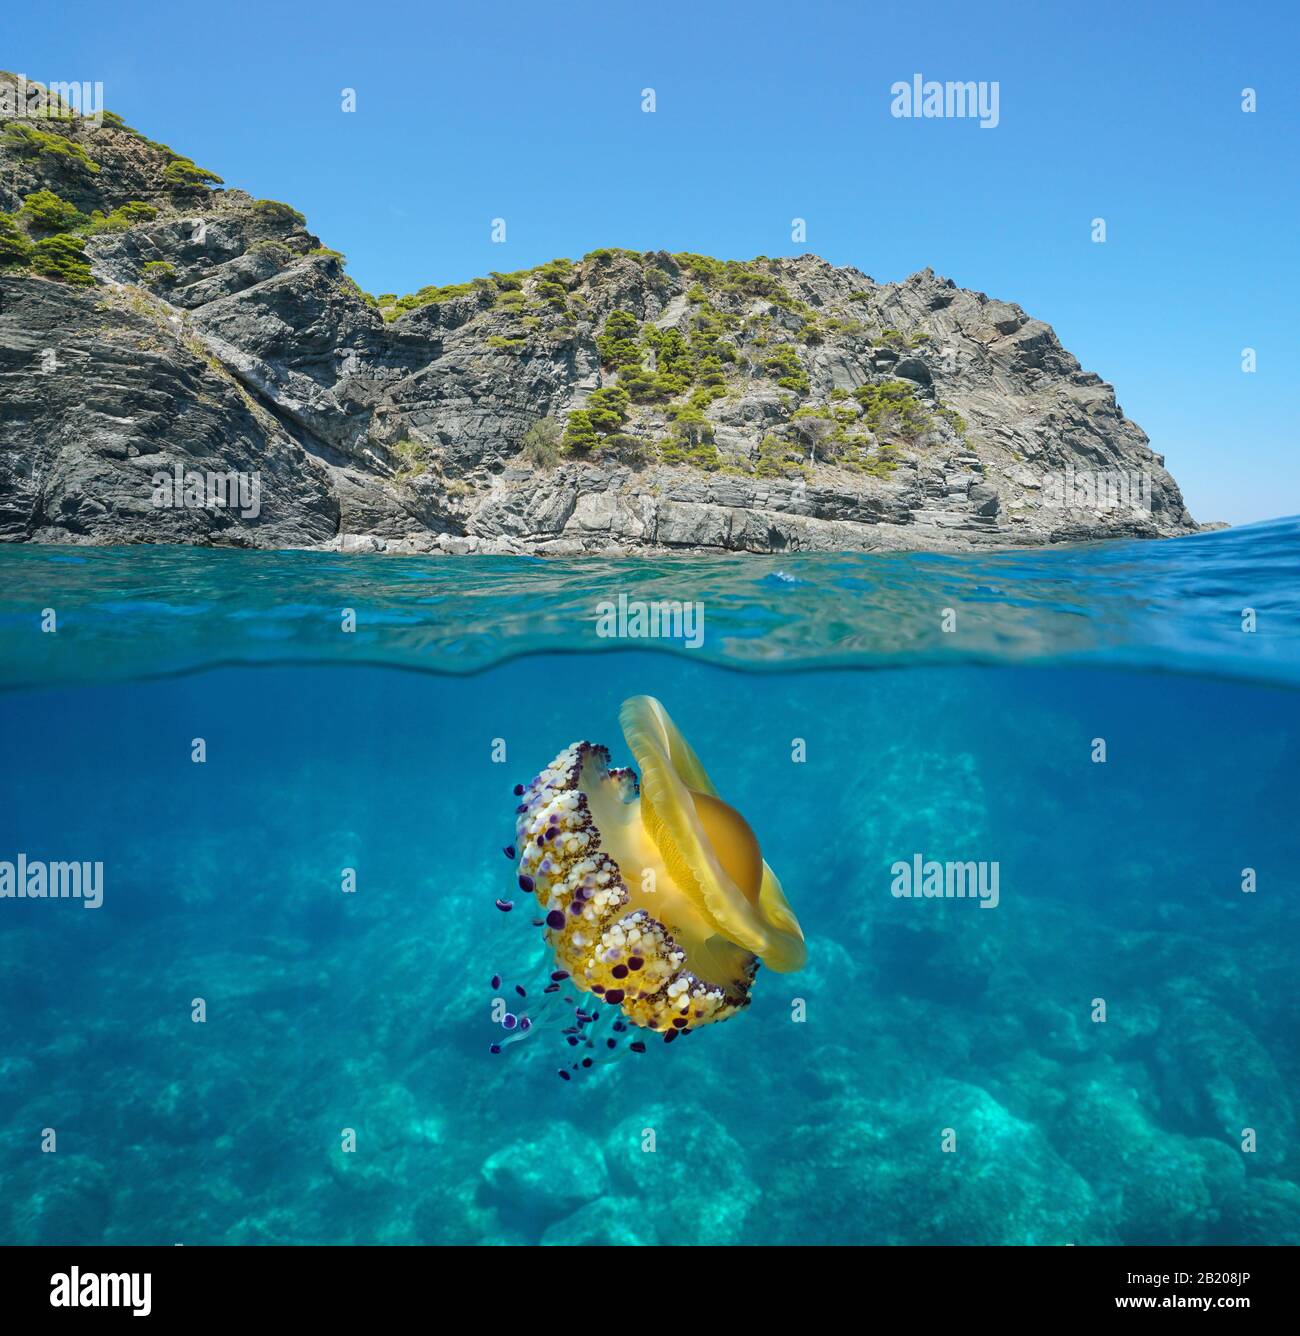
181	363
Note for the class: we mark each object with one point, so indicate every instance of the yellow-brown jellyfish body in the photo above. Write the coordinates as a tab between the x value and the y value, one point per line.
655	895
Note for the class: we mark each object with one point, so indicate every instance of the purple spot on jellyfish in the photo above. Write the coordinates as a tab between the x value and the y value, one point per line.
555	920
505	906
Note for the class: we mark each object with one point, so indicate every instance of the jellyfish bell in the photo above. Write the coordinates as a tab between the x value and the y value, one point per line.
652	893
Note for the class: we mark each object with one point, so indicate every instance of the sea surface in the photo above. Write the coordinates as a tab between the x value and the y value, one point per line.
318	882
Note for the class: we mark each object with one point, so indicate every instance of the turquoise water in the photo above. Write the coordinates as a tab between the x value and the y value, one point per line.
379	751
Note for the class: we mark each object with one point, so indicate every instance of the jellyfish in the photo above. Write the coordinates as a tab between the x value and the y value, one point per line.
652	895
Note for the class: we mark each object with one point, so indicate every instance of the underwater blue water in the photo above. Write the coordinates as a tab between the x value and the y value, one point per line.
819	1114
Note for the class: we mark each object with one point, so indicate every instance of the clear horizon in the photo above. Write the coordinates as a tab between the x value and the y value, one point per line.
767	115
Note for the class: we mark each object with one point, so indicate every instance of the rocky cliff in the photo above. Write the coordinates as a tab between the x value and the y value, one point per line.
181	363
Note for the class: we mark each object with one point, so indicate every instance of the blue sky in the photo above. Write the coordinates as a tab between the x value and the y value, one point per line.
766	112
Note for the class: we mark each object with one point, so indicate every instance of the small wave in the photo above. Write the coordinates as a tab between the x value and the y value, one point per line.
1183	605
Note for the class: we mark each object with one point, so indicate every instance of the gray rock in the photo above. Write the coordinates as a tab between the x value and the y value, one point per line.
257	354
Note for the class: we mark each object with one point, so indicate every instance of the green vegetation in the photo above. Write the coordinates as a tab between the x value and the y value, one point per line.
782	364
15	248
580	436
607	254
275	210
44	211
182	174
277	250
550	284
691	441
778	458
47	236
894	338
741	313
955	420
433	295
30	142
358	291
115	122
159	273
412	457
598	426
607	409
540	444
891	408
617	345
744	278
62	257
677	450
123	217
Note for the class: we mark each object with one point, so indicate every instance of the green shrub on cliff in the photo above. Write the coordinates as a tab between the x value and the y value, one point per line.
676	450
617	344
580	437
607	408
892	408
412	457
540	445
778	458
15	248
30	142
782	365
182	174
159	273
274	209
123	217
44	211
62	257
